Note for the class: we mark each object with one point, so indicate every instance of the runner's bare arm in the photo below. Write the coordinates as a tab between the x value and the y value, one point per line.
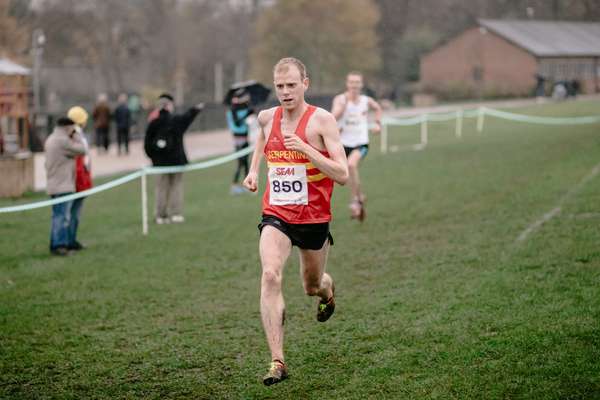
251	181
373	105
335	167
339	105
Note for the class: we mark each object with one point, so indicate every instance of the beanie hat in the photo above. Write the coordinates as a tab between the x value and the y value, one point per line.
78	115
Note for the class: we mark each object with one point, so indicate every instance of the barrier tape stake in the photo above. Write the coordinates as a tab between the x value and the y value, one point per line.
480	116
424	130
459	123
144	204
384	138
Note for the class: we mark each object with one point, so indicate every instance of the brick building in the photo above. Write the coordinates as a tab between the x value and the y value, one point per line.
16	162
503	57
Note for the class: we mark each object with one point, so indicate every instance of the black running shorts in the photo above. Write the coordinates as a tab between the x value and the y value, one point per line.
363	149
304	236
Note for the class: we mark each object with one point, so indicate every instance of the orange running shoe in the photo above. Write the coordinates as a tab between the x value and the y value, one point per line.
326	308
277	373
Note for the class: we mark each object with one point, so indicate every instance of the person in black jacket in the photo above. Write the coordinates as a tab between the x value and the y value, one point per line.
123	120
164	145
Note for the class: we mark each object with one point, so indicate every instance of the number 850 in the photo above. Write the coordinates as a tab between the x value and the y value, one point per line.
286	186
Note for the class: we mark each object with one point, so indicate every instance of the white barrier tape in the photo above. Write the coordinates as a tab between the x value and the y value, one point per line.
78	195
441	117
475	113
403	121
128	178
542	120
437	117
472	113
200	165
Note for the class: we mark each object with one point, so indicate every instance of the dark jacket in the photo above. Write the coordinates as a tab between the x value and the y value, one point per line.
123	116
101	116
171	128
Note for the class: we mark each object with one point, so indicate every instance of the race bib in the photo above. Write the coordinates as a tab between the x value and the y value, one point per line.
353	119
287	184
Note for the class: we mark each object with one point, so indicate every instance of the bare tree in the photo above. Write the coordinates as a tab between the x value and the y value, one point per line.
330	37
14	40
151	45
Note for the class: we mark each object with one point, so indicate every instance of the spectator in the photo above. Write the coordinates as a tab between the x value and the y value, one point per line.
83	175
559	92
540	86
236	120
164	145
574	87
135	108
123	121
101	116
61	148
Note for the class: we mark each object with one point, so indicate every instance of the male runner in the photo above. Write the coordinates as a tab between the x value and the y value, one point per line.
350	109
304	157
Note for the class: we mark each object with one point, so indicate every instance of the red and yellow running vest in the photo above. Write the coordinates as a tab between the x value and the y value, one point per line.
296	192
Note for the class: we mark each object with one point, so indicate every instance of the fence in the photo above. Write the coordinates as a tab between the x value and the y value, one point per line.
141	174
479	113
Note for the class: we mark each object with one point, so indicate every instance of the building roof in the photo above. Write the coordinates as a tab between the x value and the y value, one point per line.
549	38
8	67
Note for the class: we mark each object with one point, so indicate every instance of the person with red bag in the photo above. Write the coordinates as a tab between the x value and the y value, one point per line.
83	176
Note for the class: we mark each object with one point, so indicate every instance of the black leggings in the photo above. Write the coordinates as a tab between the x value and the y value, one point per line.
102	138
123	139
242	163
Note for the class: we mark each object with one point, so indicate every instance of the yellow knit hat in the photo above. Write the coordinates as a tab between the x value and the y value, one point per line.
78	115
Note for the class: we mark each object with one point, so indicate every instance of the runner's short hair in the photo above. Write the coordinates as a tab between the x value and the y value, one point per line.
283	64
355	72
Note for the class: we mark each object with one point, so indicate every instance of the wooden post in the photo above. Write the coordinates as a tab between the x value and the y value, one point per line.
459	123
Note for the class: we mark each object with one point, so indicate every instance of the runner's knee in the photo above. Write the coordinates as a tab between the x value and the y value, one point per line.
271	278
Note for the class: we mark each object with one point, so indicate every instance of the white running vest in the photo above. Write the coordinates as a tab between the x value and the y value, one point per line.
354	127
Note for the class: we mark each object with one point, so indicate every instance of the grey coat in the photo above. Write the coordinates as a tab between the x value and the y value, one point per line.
61	150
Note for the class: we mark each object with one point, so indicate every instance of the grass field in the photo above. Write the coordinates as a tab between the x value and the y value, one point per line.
436	299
